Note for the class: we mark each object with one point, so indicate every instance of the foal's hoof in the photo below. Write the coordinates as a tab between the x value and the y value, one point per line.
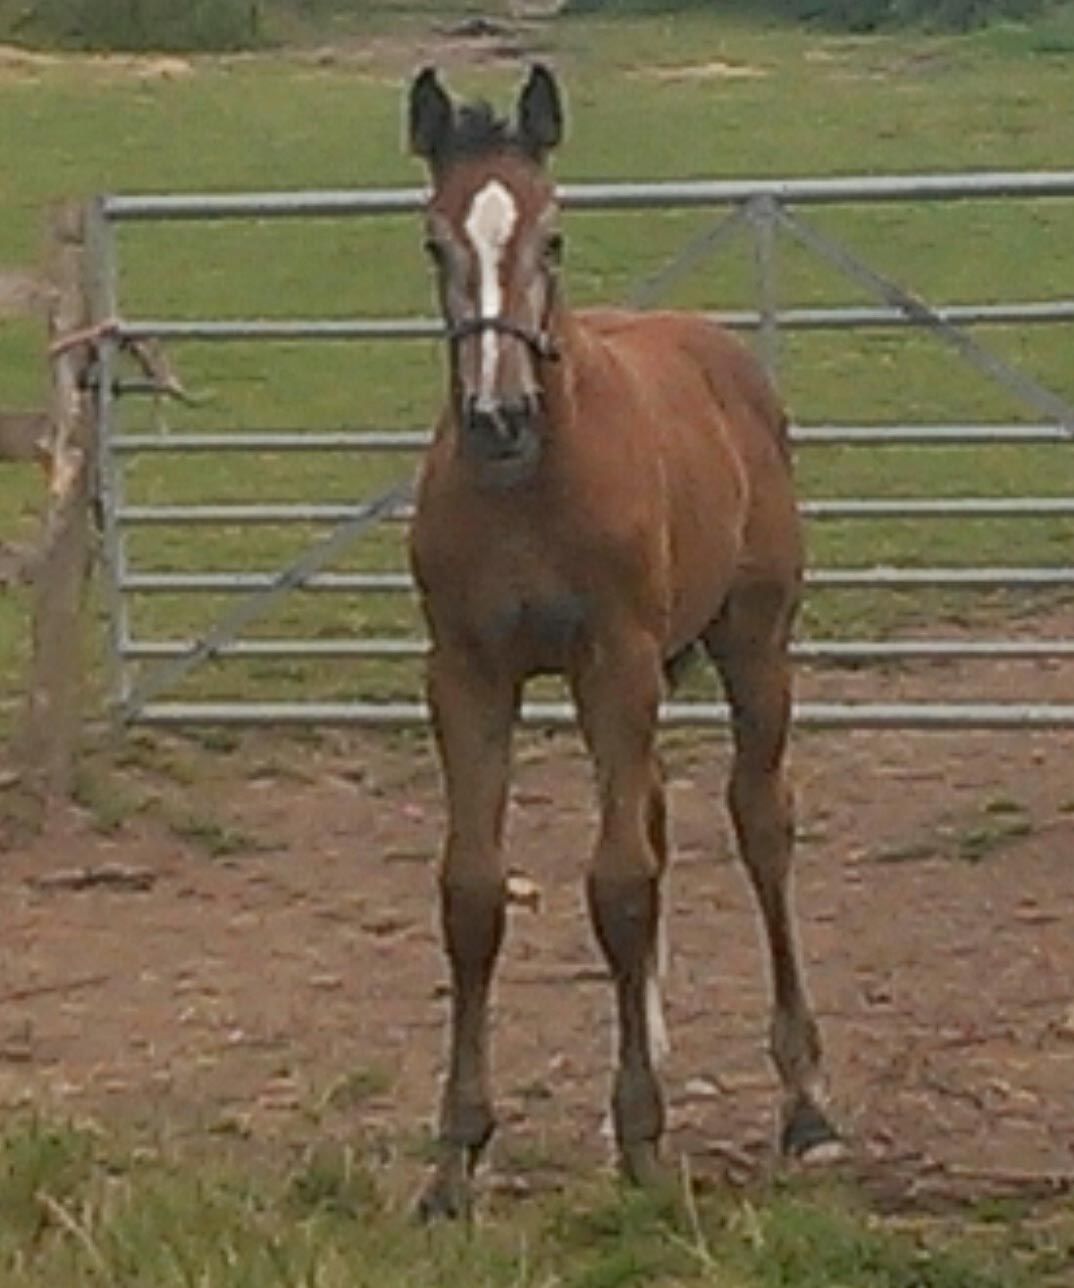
640	1165
444	1200
809	1138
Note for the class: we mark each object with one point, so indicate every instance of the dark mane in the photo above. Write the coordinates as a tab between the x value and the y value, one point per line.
478	130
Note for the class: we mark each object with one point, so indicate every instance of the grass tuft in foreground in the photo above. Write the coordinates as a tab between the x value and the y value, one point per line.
76	1209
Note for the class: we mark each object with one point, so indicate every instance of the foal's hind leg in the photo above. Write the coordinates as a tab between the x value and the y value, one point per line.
472	718
657	821
749	645
617	690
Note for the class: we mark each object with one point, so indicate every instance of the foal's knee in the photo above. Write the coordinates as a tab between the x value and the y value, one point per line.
761	804
625	910
473	910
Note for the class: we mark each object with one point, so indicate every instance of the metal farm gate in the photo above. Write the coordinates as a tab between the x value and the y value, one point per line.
145	670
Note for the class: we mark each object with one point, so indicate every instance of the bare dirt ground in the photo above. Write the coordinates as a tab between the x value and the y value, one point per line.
295	985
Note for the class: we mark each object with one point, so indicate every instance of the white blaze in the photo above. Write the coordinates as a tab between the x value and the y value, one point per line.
492	218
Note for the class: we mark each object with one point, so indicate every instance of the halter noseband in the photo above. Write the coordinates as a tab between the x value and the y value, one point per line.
539	343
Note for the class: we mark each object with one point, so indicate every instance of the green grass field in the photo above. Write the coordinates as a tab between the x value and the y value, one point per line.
793	103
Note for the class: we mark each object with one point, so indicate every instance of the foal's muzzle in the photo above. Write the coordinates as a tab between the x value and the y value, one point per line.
501	431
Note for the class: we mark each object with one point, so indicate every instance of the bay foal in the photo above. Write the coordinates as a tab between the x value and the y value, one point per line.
604	490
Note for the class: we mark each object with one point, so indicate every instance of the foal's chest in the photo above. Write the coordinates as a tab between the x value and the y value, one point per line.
521	585
541	628
509	605
531	629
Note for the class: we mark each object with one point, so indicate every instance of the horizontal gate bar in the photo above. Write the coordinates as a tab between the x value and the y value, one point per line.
879	316
825	578
280	329
926	435
911	650
146	650
278	441
818	715
953	578
969	507
869	508
284	512
417	440
227	582
607	196
805	650
421	328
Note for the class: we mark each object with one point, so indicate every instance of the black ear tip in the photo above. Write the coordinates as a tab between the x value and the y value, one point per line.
540	111
430	115
542	87
425	78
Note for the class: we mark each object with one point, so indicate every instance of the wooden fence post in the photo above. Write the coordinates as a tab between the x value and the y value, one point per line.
47	735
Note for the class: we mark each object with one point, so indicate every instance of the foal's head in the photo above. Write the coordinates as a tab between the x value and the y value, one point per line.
492	234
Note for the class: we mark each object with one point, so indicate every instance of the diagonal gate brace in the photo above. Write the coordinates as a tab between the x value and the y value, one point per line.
707	242
259	602
1016	382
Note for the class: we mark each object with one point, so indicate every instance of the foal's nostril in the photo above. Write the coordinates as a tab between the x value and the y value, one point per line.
482	422
517	417
500	429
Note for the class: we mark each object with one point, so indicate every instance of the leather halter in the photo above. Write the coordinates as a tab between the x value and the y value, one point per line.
539	343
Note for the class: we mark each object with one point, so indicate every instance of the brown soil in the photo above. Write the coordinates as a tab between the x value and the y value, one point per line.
297	983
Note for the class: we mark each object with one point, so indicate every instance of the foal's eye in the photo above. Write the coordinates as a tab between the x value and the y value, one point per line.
553	248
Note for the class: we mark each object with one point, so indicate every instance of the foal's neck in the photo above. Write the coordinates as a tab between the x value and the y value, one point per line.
560	382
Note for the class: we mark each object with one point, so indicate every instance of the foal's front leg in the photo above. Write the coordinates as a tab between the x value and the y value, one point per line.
472	716
618	691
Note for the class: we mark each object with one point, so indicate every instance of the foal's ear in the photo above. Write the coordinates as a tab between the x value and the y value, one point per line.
540	112
430	116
